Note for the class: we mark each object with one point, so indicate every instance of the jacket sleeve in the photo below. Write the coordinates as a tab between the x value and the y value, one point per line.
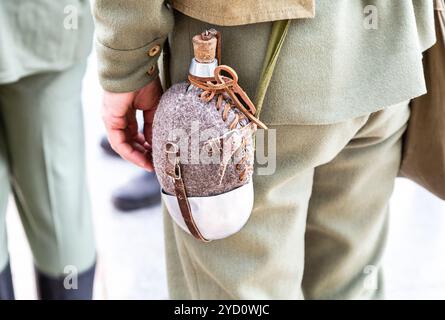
129	38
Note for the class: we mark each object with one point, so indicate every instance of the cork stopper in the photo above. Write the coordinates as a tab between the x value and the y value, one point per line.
204	46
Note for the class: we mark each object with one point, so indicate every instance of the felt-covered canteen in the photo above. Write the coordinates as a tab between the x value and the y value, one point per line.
203	146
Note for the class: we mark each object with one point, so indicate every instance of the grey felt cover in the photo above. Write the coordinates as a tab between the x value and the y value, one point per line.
179	109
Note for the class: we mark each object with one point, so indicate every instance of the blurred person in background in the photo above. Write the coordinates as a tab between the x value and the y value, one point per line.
44	47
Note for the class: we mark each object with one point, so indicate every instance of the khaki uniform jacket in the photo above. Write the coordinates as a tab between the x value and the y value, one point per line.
127	30
235	12
350	59
42	35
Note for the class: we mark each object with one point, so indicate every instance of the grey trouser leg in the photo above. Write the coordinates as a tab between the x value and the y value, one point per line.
42	153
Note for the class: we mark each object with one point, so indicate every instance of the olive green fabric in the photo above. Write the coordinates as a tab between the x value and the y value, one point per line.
276	40
319	223
42	164
126	31
331	67
235	12
42	35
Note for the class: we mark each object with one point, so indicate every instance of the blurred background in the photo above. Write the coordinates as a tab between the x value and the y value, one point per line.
130	243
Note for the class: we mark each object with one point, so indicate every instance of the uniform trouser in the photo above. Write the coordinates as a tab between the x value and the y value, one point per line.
319	223
42	164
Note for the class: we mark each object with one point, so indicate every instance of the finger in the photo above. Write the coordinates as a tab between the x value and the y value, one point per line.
121	125
148	125
139	147
135	139
148	132
113	122
129	152
133	135
140	139
132	126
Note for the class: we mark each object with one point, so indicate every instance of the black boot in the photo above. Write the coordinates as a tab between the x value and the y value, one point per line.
53	288
140	192
6	288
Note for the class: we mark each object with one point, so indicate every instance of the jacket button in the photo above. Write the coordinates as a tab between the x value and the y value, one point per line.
151	70
154	50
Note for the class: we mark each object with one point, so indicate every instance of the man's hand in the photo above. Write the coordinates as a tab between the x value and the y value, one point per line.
119	115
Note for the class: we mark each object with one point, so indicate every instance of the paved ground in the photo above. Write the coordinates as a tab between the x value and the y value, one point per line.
131	259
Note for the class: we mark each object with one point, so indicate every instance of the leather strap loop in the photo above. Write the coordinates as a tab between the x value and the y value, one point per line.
181	193
228	84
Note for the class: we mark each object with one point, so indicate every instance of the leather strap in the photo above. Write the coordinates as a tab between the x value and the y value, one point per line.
181	193
227	84
184	205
